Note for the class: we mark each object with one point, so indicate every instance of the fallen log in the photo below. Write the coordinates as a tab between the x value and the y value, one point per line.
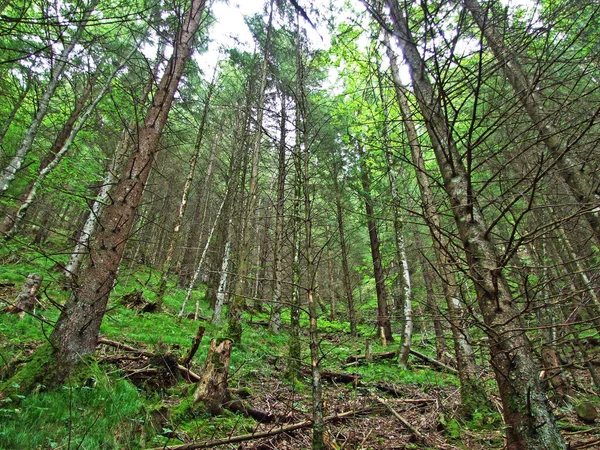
341	377
353	359
263	434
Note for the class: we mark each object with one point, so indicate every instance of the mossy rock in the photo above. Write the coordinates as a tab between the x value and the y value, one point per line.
586	411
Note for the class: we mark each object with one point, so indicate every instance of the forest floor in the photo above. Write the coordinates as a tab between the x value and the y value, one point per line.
134	397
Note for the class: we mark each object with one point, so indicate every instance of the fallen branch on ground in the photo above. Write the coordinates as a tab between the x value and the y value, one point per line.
353	359
404	422
187	373
263	434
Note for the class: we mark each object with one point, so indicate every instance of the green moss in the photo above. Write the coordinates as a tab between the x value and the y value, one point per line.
37	372
475	404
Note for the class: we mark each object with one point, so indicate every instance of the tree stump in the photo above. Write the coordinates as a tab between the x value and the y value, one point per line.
212	388
26	300
554	374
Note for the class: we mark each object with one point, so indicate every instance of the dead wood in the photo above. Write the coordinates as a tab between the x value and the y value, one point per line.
353	359
401	419
341	377
194	348
135	300
212	387
237	406
263	434
27	298
187	374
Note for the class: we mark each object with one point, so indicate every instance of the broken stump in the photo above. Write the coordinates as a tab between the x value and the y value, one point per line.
212	388
26	300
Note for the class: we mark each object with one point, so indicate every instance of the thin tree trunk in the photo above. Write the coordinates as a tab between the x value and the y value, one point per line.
166	267
195	236
62	151
275	319
9	172
244	255
344	255
202	257
530	422
403	278
332	285
473	395
76	331
384	328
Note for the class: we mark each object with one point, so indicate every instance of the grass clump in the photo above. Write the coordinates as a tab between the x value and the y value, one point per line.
97	413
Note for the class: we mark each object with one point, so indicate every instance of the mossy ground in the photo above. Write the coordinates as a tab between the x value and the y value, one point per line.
101	408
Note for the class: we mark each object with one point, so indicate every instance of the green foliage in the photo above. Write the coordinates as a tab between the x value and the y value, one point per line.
99	413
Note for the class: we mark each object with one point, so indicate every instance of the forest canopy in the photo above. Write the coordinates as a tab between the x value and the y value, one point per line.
321	225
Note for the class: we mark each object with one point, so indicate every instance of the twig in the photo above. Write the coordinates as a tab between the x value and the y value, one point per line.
405	422
187	373
587	444
252	436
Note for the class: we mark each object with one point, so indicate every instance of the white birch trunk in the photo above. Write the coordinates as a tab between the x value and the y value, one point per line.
202	259
9	172
63	151
218	311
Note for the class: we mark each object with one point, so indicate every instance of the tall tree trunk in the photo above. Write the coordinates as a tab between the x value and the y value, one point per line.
384	327
473	395
530	422
202	258
9	172
403	277
166	267
533	101
76	331
242	287
331	282
344	254
110	178
186	267
275	319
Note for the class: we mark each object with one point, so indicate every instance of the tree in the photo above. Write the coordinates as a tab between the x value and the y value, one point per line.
526	411
76	331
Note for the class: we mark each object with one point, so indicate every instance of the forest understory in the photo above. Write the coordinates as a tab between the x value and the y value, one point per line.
136	392
300	224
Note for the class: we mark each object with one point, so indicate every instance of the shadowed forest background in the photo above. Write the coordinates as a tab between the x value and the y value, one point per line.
374	226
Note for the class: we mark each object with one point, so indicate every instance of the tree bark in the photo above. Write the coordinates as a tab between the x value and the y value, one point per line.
384	327
76	331
530	422
212	389
9	172
473	394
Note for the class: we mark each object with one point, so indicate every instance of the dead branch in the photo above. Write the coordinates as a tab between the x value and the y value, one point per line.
404	422
353	359
187	373
253	436
195	344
